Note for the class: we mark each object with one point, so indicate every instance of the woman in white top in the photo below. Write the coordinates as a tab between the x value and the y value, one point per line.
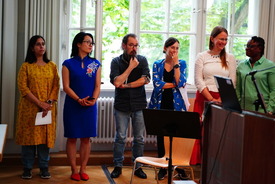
215	61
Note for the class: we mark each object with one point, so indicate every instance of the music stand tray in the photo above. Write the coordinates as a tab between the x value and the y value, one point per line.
173	124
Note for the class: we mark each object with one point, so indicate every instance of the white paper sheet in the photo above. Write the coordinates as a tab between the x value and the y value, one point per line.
183	92
45	120
184	182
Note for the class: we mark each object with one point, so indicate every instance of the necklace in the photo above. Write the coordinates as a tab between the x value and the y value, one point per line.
215	56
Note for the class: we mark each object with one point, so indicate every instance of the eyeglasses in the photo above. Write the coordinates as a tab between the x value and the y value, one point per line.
250	46
223	39
89	42
39	44
133	46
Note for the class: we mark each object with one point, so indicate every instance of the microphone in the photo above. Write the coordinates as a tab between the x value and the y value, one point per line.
255	71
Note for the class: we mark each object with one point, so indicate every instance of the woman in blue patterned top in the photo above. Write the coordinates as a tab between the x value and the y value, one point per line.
81	76
169	75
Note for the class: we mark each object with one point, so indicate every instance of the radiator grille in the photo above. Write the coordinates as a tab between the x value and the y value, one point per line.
106	123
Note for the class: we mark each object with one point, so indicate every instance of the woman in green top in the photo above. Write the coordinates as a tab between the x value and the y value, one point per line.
245	88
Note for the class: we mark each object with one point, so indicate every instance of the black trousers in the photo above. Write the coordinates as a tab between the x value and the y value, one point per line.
160	145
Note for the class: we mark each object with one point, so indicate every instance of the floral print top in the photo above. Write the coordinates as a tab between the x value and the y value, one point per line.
158	82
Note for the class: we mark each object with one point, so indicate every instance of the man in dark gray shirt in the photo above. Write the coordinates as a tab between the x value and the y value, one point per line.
129	74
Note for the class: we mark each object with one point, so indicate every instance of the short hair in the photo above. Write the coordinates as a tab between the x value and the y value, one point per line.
79	39
170	41
125	38
30	57
260	41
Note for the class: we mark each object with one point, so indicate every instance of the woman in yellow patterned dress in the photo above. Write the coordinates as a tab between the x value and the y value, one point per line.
38	83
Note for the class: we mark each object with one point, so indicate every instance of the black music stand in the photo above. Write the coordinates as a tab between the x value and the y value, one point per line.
173	124
260	100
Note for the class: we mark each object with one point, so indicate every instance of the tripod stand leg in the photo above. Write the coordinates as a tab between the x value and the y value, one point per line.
170	161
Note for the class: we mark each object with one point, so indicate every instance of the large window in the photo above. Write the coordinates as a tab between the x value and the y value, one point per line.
240	17
80	17
160	19
155	20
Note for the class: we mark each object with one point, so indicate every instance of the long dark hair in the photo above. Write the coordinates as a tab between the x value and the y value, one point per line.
79	39
170	41
215	32
30	57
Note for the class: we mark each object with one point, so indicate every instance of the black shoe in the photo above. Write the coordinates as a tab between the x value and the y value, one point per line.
27	174
44	173
139	173
181	174
116	172
162	173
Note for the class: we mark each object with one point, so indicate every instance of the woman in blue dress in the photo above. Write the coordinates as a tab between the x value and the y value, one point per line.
169	75
81	76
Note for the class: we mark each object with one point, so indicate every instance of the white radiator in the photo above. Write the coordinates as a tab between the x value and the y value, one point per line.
106	123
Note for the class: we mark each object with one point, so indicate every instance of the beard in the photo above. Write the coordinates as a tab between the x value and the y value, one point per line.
129	56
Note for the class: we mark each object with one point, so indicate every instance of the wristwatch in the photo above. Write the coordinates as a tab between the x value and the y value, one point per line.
176	66
49	101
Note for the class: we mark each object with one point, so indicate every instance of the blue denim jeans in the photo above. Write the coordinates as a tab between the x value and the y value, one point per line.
122	122
28	155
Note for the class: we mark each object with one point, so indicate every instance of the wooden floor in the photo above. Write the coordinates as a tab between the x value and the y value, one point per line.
11	170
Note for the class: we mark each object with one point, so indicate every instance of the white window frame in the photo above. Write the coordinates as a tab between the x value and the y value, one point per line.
198	30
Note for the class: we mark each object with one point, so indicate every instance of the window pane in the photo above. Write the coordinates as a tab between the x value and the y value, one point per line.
241	17
217	14
244	9
153	15
151	46
75	13
234	17
206	43
115	26
239	49
185	50
160	19
90	13
180	15
72	34
184	46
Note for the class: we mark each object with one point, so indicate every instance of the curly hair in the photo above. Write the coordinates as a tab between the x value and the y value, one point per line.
260	41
